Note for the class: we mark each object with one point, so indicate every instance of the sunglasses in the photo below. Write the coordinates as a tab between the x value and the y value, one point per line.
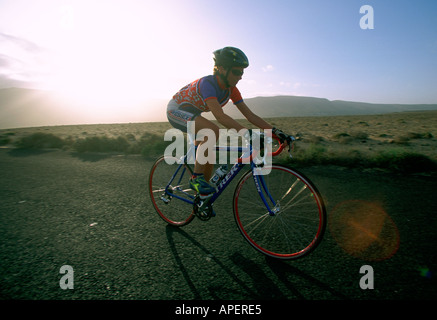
237	73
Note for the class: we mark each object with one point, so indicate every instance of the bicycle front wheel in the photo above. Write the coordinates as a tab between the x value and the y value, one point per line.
296	222
170	192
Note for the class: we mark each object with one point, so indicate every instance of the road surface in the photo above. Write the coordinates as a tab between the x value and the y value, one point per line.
92	212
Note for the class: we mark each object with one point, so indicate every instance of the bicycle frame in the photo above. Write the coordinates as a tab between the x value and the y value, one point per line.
233	172
288	219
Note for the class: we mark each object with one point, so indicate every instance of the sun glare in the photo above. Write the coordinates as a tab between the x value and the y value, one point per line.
108	56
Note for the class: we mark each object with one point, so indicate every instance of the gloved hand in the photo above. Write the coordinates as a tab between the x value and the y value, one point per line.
283	137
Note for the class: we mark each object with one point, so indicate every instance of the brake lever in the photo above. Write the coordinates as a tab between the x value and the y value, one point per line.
290	142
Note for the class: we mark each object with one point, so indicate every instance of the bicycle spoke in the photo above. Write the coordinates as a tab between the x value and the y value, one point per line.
250	203
298	222
292	199
167	198
289	190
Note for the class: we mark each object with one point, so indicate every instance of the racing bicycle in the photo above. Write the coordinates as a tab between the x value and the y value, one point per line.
277	209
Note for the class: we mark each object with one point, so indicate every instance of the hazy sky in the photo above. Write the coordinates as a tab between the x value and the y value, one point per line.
132	50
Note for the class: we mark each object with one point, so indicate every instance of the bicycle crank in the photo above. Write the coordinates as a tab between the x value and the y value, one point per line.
202	209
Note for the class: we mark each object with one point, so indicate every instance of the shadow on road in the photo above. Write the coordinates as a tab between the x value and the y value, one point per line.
261	287
283	270
170	230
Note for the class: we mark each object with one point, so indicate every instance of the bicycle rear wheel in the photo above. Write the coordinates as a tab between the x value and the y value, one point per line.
298	221
170	192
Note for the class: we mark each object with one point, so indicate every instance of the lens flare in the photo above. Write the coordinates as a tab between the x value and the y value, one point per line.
364	230
425	272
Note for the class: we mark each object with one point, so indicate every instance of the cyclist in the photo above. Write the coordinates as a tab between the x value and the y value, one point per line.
211	93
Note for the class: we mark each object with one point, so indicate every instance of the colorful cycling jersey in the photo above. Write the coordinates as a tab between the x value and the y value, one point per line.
198	92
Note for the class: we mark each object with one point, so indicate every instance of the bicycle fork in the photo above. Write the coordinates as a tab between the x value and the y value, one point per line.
265	195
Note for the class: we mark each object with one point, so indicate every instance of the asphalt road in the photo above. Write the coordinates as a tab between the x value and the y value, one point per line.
93	213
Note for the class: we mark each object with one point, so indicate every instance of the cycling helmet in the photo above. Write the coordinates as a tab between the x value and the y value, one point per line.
229	57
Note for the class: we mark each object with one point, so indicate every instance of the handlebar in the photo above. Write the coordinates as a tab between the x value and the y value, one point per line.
275	153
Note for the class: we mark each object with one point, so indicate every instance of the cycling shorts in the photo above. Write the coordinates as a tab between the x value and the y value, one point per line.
178	116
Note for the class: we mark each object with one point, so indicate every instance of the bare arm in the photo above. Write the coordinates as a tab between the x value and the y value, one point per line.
252	117
222	117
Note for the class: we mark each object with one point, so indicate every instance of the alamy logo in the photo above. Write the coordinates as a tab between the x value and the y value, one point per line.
367	20
366	281
229	141
67	280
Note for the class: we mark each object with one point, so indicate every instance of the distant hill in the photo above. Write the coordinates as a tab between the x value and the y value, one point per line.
295	106
30	108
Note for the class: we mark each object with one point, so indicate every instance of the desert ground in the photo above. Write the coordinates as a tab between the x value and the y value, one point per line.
336	137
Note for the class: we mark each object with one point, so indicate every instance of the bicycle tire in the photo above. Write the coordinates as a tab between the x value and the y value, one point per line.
166	183
298	226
